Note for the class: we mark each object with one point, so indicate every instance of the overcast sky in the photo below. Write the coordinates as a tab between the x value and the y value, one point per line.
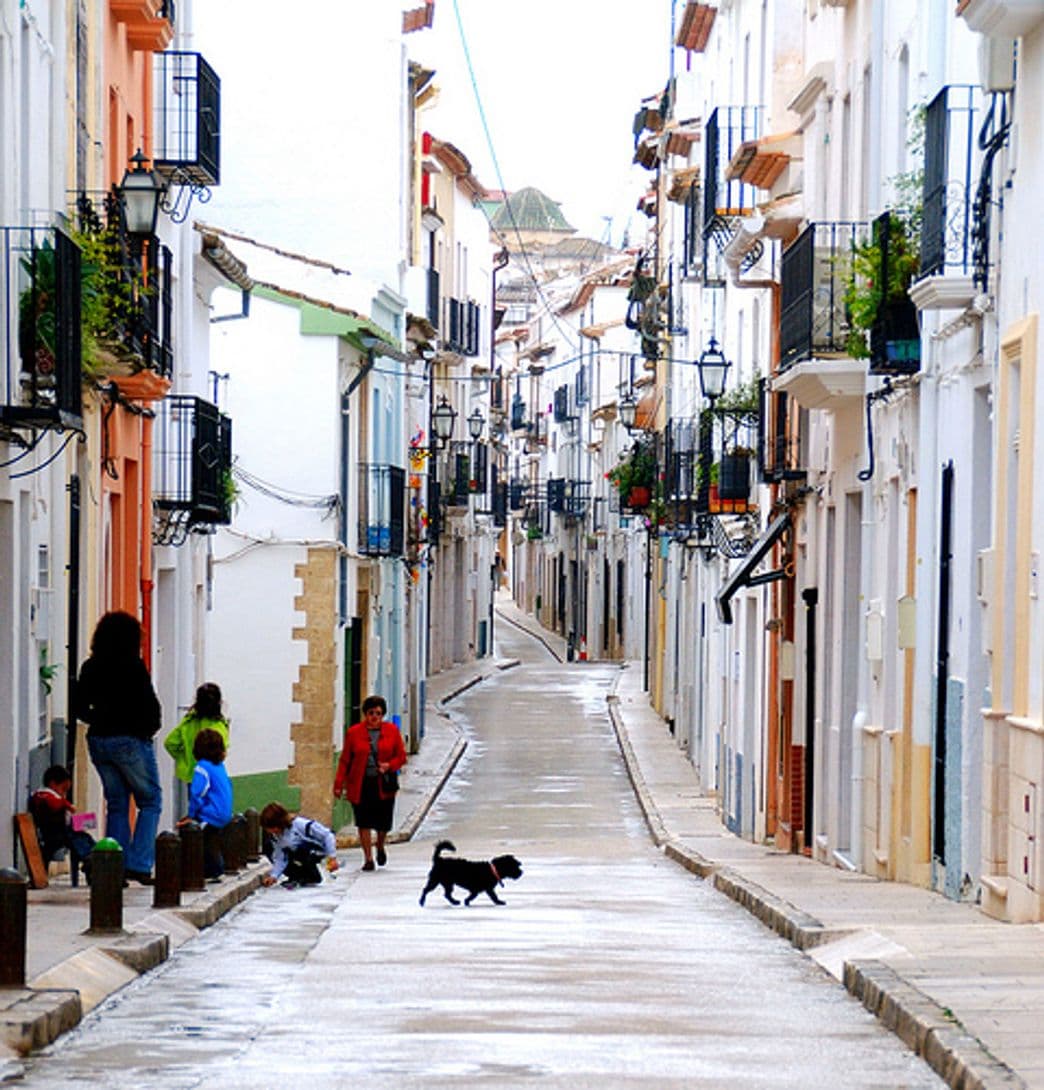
560	82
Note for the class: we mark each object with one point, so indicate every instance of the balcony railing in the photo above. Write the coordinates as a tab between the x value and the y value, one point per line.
40	286
816	272
467	472
382	508
187	111
132	282
951	158
462	328
725	199
192	482
433	309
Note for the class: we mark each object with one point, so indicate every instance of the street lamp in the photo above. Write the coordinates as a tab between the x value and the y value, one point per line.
443	418
139	194
476	422
628	409
713	367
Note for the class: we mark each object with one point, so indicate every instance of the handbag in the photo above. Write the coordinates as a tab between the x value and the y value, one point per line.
388	781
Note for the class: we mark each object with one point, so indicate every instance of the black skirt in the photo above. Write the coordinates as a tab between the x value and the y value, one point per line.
371	811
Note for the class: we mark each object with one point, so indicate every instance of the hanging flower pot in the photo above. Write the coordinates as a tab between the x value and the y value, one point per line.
639	496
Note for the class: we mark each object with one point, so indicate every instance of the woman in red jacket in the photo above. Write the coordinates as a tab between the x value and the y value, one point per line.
367	775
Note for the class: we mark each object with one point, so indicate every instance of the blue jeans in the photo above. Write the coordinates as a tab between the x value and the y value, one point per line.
127	767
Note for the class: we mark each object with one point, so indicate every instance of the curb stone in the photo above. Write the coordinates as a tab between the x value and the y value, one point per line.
957	1057
31	1017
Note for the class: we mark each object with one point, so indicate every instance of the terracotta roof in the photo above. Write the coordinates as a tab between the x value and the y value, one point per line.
681	181
419	18
695	28
760	162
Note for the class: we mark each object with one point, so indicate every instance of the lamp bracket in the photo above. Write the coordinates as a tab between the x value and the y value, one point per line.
177	204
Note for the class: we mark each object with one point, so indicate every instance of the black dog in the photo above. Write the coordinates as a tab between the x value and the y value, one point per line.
475	877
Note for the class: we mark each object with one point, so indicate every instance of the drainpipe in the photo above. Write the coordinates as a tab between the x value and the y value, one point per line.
145	562
72	643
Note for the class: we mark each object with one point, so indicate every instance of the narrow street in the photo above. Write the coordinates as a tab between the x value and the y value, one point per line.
608	966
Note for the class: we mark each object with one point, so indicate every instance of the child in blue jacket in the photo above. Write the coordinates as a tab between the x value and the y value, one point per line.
210	798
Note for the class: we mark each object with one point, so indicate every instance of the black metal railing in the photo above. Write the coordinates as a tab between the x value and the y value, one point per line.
500	502
518	413
556	494
577	498
817	269
187	134
895	336
467	471
433	310
40	312
951	157
192	463
472	329
727	128
131	281
382	508
560	403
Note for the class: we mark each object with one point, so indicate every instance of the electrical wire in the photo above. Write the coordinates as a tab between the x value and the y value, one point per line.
326	503
500	180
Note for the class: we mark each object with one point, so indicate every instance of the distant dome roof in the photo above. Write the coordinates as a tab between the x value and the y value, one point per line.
530	210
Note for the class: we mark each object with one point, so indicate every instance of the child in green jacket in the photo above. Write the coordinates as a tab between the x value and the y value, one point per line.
205	714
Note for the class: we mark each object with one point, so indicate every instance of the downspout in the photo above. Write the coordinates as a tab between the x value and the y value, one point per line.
72	643
145	563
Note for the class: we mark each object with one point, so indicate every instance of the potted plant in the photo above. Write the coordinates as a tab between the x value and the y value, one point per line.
634	475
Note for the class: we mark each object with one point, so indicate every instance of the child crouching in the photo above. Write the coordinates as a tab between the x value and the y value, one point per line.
299	845
210	799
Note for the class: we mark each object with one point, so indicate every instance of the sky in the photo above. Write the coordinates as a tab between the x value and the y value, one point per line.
560	82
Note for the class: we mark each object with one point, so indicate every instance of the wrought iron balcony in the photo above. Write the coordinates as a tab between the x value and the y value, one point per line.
192	484
462	327
40	312
382	510
724	199
187	97
466	472
131	283
816	271
518	413
951	161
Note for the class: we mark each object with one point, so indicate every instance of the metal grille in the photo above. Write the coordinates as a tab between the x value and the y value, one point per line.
816	270
187	111
382	507
950	154
192	461
40	281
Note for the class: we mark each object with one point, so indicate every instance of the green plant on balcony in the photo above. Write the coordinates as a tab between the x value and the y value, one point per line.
867	294
634	475
108	299
742	398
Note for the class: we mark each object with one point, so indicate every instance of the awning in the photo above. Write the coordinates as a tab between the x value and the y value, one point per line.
744	575
696	23
760	162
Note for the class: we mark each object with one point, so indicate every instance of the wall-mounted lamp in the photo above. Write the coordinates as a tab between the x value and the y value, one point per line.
476	422
628	410
139	194
713	368
443	419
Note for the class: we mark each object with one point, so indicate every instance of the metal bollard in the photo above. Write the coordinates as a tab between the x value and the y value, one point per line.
106	886
166	893
253	835
191	836
231	844
13	916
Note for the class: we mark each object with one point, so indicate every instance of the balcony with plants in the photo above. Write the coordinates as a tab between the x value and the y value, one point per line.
821	349
635	476
193	485
42	311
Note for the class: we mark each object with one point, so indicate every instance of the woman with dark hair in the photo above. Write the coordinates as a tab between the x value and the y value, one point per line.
115	697
368	776
205	714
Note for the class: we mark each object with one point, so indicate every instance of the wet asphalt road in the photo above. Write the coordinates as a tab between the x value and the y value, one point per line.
609	966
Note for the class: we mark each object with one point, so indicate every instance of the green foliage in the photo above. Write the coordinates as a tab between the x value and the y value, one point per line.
48	670
865	293
742	398
636	469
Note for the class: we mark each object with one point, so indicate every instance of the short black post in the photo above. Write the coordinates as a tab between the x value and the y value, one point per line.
106	886
191	836
231	844
13	916
166	893
253	834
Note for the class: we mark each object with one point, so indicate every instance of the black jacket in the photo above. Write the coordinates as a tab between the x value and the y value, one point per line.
117	699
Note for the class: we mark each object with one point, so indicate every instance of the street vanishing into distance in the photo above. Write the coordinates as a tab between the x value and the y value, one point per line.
608	966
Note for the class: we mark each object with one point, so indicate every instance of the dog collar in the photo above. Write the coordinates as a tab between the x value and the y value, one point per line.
500	881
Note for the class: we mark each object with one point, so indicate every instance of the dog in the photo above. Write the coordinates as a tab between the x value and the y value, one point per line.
475	877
